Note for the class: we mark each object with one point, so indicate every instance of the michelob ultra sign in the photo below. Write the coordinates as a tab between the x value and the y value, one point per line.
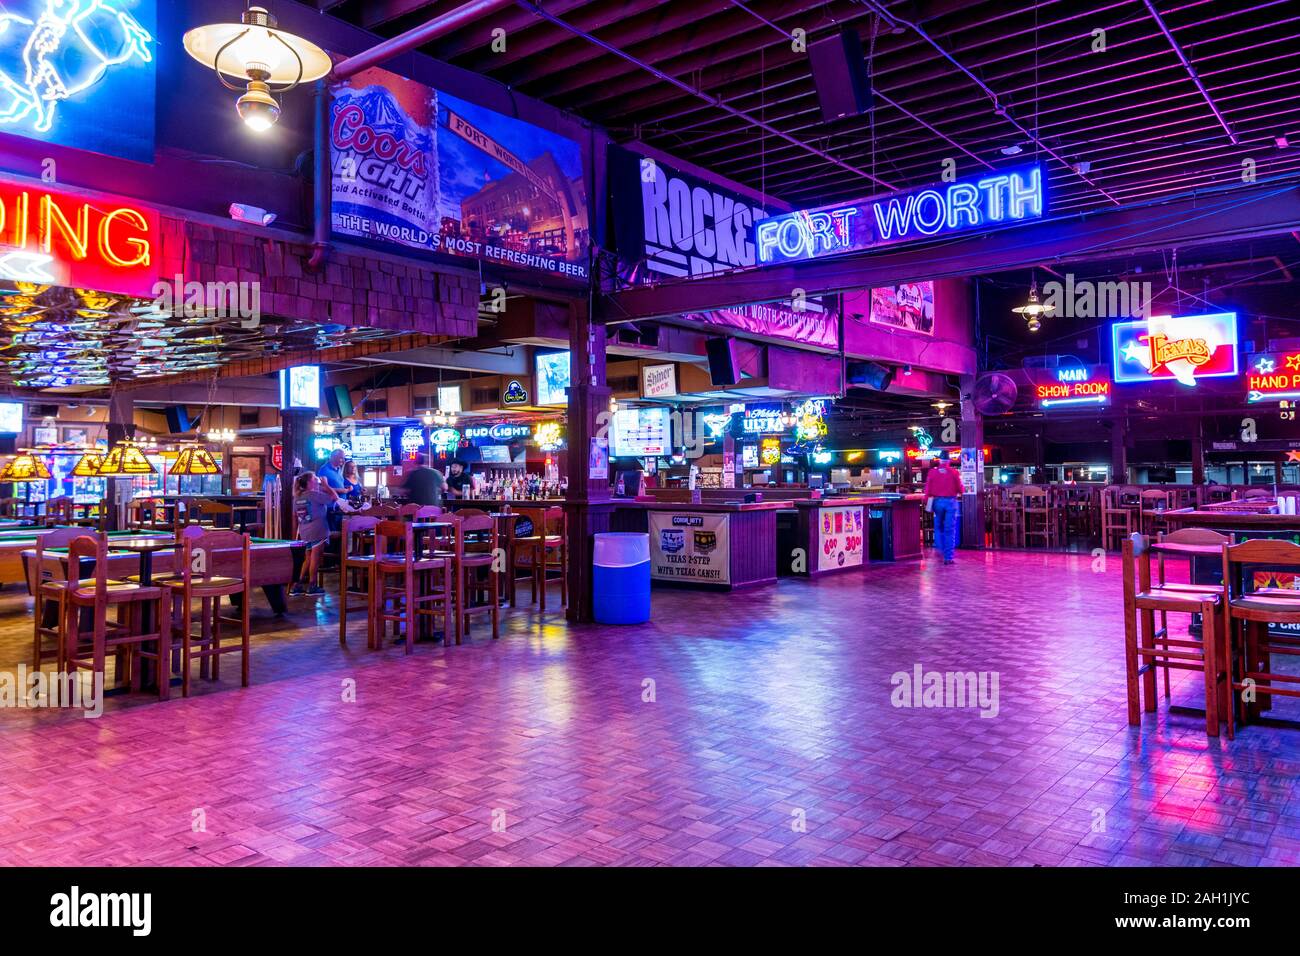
1183	347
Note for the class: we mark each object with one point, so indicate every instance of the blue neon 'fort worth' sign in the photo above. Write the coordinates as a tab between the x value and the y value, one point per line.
998	198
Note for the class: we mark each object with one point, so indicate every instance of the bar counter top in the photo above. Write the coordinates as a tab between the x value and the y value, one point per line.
847	500
705	507
1197	518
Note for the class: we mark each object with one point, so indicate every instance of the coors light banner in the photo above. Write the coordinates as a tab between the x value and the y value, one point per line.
424	169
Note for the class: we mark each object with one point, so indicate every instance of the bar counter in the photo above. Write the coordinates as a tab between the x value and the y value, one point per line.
717	544
822	535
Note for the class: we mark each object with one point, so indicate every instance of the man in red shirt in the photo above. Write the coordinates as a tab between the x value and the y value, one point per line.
943	491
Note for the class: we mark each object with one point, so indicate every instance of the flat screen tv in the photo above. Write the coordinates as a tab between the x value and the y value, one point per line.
372	447
552	378
11	418
495	454
641	433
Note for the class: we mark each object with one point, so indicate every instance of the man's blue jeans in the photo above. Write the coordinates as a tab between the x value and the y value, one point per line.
947	514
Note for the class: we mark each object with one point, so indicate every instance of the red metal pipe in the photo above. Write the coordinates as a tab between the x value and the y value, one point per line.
462	16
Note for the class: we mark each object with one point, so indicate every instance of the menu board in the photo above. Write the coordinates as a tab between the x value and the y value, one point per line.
840	538
641	433
690	547
372	446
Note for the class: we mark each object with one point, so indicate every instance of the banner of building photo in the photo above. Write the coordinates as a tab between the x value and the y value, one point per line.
424	169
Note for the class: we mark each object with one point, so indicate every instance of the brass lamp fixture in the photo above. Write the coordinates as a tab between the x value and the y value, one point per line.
194	459
1034	311
257	54
25	467
125	459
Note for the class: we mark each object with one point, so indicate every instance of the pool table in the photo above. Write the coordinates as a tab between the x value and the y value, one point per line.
14	540
275	563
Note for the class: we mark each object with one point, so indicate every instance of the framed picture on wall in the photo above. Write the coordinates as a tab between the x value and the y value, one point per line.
75	436
908	306
45	435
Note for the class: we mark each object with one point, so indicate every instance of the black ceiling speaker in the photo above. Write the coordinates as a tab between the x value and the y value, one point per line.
723	367
995	393
841	75
178	420
870	375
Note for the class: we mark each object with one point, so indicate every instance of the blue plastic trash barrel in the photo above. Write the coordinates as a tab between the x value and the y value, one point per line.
620	580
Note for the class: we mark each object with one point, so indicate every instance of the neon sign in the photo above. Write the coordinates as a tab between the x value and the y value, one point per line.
500	432
810	420
763	419
716	423
80	63
1074	385
1184	348
999	198
56	238
443	439
890	454
769	451
548	436
1273	377
411	441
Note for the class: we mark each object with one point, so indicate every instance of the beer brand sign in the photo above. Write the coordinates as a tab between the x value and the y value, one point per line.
1183	348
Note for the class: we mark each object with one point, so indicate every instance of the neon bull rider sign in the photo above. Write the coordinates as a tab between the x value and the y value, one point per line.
999	198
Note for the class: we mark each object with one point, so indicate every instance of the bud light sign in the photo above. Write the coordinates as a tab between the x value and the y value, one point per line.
424	169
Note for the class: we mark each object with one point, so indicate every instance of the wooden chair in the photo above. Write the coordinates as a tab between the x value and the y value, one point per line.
201	557
1213	494
407	512
427	511
357	573
123	635
475	569
1118	518
1039	516
58	511
1189	536
46	588
424	583
1153	503
1251	609
1152	648
1257	493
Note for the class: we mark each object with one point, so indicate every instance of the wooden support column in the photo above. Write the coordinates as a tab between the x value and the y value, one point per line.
296	436
588	506
120	424
972	437
1119	449
1198	454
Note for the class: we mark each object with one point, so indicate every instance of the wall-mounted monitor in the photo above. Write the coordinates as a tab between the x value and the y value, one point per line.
641	433
552	378
495	454
300	387
372	447
11	418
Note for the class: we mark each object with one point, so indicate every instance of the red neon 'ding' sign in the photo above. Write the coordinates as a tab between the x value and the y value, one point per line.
98	242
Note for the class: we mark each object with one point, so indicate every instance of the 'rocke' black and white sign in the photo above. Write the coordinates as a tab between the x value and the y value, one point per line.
670	224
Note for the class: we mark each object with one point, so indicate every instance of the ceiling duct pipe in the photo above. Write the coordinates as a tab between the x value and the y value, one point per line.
438	26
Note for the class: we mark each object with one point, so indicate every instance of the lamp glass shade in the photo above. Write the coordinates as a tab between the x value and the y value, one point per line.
25	467
87	465
256	47
195	460
125	458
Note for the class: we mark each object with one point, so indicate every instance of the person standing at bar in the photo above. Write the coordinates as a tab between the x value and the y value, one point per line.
332	471
457	480
943	491
424	485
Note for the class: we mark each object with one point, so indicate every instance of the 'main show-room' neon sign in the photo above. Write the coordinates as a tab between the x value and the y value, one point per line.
999	198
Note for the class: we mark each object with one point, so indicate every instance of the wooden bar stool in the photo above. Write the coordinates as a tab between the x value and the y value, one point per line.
1118	520
1039	516
211	565
49	595
1150	648
1188	544
90	652
357	573
476	570
1251	609
423	586
1007	524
